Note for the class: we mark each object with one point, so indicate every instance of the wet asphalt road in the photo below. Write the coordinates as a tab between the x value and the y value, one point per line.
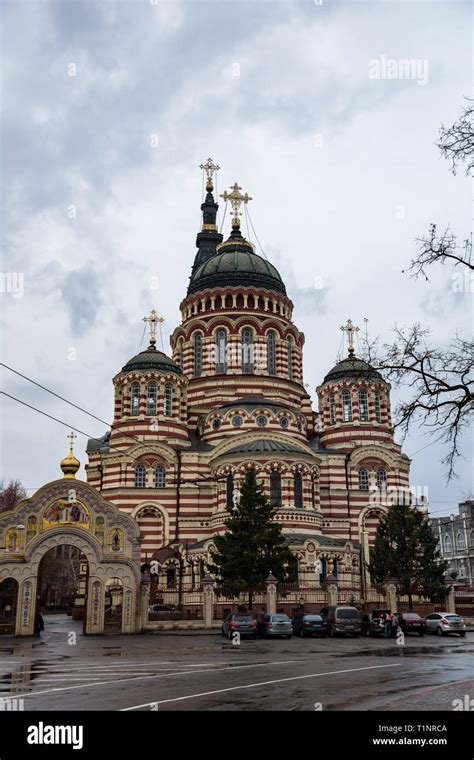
202	671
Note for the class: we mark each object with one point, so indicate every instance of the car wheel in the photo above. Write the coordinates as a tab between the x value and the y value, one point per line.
332	632
356	635
302	634
421	633
462	634
254	636
439	631
367	633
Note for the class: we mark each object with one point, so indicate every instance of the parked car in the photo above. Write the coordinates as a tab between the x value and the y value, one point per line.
309	625
377	627
244	624
164	612
277	625
367	617
443	623
342	619
411	622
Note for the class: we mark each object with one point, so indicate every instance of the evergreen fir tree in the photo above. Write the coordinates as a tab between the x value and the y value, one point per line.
252	546
406	549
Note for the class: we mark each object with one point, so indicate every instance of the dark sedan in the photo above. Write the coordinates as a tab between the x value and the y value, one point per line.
309	625
411	622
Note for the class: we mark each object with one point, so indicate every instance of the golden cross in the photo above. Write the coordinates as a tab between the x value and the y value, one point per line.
152	321
350	329
72	437
209	167
236	199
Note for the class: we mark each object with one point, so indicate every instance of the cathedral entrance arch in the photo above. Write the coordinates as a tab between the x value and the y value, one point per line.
69	520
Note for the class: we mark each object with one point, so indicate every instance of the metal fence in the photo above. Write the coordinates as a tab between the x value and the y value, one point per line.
178	604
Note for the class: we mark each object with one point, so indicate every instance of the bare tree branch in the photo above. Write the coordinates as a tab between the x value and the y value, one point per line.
457	141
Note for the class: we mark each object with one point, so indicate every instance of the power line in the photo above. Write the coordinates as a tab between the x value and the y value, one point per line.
253	229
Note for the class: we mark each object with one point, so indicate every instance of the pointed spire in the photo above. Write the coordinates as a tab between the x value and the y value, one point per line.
208	238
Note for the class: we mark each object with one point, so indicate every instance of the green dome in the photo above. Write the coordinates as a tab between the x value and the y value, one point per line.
151	358
236	263
351	366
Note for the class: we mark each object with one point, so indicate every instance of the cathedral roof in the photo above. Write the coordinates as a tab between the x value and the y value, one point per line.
352	367
236	263
264	445
151	358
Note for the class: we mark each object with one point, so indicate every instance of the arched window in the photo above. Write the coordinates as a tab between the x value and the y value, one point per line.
363	479
448	544
180	353
160	476
151	393
122	401
197	355
332	408
140	476
363	405
461	543
381	478
346	405
378	408
324	570
221	345
334	568
290	357
298	489
135	397
168	400
275	488
313	492
247	350
229	497
271	353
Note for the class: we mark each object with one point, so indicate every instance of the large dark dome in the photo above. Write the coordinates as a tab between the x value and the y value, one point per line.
151	358
236	263
351	366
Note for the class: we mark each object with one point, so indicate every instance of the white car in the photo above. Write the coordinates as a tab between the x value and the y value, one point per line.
443	623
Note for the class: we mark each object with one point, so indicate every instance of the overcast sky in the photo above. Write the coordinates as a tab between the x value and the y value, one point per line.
111	106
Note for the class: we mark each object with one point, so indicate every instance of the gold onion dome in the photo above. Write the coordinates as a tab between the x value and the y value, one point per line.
70	464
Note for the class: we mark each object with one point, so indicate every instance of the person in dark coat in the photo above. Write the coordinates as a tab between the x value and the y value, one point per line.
39	624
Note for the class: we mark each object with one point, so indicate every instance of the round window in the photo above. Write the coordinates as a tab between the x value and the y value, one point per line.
261	420
216	424
237	420
284	422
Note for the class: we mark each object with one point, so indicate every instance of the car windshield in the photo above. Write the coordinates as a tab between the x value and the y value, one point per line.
313	618
346	614
242	617
411	616
281	618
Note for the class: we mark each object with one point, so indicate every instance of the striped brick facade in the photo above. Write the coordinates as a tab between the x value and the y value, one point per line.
184	435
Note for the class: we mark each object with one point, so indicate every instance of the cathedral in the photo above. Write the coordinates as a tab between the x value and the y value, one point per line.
232	397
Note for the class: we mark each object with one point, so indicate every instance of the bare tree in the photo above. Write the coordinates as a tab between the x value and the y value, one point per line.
442	249
440	381
11	495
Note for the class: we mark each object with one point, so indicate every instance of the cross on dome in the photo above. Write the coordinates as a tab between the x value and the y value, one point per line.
236	199
350	329
210	168
153	320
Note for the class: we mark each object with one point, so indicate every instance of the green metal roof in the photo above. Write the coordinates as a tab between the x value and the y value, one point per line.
151	358
264	445
351	366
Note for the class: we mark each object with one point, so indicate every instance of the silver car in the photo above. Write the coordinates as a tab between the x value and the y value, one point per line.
278	625
443	623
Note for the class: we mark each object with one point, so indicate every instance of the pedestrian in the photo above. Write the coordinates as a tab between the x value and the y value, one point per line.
260	622
394	627
38	625
387	625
